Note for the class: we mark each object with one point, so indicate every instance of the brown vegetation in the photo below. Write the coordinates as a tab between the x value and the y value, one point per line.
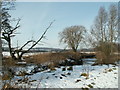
84	74
105	56
8	62
52	58
6	77
45	57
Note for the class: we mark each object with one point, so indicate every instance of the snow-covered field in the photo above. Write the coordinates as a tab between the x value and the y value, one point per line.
6	54
99	77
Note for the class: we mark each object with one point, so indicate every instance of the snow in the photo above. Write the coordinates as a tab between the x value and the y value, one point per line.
99	77
21	62
6	54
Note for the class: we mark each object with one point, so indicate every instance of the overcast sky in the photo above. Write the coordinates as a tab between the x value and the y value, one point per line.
36	16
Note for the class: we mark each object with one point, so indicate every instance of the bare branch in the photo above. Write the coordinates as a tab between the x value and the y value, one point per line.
38	39
26	44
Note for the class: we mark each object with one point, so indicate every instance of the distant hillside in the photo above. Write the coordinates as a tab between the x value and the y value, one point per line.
39	49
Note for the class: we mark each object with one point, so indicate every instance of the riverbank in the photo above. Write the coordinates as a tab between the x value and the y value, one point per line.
85	76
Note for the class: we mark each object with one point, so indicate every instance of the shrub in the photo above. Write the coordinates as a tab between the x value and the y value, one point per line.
110	70
45	57
52	69
8	62
84	74
114	68
105	54
6	77
7	86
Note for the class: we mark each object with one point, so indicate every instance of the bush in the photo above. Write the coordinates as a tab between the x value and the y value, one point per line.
8	62
55	58
110	70
7	86
105	54
45	57
84	74
6	77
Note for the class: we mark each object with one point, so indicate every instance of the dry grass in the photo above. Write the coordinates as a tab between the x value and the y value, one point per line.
46	57
7	86
8	62
106	53
85	75
52	59
106	59
6	77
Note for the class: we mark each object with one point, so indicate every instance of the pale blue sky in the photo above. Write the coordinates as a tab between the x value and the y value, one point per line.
36	16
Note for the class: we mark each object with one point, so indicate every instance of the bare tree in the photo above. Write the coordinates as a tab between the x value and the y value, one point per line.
104	32
20	52
113	23
9	31
72	36
5	6
99	28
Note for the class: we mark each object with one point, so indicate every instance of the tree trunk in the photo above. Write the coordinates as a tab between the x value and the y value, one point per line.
0	49
75	50
10	50
0	39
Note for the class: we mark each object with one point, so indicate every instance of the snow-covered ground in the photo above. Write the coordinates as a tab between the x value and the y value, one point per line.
99	77
6	54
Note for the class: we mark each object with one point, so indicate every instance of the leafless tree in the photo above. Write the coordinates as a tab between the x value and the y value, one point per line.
104	32
99	28
4	8
9	31
105	28
20	52
72	36
113	23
